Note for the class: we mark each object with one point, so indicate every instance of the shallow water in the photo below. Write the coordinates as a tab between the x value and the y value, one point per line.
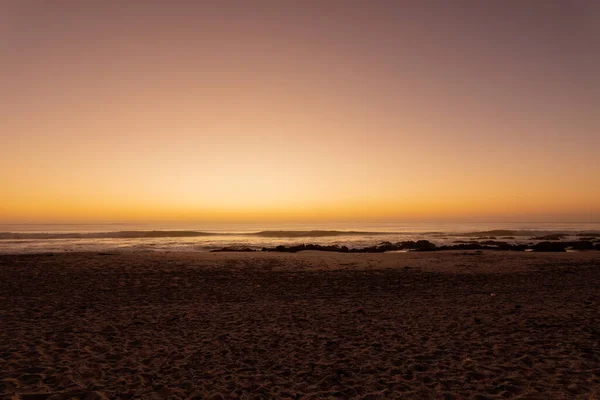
38	238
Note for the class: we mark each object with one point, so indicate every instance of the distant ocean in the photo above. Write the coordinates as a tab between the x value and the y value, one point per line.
42	238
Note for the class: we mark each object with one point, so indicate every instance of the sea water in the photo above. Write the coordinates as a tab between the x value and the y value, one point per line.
194	236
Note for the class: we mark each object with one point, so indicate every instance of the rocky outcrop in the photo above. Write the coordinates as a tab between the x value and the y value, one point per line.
583	245
550	247
237	249
425	245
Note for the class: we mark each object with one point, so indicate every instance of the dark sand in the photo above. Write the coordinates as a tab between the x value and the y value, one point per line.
307	325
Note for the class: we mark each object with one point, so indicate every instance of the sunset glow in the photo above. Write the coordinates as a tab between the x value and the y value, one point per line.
312	111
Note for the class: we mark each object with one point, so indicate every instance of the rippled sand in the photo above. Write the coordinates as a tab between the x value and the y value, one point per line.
307	325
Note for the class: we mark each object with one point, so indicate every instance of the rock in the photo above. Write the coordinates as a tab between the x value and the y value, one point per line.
583	245
549	247
420	245
233	248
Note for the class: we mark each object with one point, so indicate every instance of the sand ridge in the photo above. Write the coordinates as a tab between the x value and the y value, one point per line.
309	325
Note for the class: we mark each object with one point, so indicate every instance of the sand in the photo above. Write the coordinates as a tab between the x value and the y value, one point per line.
441	325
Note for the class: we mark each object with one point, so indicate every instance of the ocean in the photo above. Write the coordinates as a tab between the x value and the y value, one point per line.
43	238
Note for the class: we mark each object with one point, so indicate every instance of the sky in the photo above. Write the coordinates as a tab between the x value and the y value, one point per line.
286	110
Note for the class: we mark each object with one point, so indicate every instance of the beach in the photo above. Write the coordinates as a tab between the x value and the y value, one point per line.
308	325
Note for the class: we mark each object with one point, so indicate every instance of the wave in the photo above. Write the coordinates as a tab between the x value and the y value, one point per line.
488	233
529	232
274	234
316	233
178	234
105	235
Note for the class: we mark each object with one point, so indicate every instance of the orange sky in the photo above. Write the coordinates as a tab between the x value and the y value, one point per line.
319	111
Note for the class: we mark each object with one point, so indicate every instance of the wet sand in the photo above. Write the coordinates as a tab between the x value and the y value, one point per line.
312	325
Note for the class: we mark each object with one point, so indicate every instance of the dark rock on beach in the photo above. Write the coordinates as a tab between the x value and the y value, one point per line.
583	245
550	247
425	245
419	245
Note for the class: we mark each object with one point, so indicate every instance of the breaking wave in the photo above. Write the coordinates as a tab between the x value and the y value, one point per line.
316	233
274	234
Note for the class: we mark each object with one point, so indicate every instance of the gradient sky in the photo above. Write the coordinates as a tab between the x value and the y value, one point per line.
299	110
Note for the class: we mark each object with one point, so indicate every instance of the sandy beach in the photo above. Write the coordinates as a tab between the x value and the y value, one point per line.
311	325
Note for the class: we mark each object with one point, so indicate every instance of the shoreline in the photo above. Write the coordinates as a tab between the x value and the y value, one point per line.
552	243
